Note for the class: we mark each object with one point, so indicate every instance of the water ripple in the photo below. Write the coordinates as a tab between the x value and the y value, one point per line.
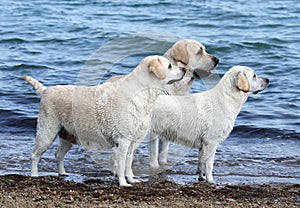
59	37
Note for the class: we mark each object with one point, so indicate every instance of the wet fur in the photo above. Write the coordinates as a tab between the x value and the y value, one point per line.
112	115
203	120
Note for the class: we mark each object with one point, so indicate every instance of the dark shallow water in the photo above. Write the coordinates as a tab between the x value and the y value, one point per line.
85	42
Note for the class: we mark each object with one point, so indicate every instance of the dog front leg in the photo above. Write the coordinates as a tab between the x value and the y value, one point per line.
121	154
113	161
163	154
206	161
153	147
209	167
201	170
129	160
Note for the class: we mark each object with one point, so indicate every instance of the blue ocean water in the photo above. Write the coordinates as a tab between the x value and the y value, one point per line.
85	42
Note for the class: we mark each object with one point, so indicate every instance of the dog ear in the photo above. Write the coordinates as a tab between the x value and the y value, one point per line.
242	82
157	68
179	52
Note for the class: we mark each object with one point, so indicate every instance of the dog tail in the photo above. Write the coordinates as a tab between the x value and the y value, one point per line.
39	87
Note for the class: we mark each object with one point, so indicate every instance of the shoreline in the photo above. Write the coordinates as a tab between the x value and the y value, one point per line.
53	191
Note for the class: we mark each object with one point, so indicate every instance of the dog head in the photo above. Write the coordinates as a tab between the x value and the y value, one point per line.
163	69
192	56
247	81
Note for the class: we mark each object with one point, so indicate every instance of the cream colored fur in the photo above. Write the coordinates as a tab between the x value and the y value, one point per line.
112	115
203	120
192	57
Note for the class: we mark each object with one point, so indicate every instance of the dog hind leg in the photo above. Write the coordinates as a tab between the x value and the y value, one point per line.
46	134
63	148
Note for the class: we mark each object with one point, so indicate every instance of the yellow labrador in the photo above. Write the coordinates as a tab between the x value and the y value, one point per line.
105	116
203	120
188	54
192	56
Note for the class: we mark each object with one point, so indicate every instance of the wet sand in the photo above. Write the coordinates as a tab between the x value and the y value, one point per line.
51	191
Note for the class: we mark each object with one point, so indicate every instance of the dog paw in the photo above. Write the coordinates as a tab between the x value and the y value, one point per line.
210	180
125	184
202	178
163	162
132	180
154	165
62	173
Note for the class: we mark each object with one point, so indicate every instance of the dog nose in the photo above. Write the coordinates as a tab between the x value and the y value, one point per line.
216	60
267	81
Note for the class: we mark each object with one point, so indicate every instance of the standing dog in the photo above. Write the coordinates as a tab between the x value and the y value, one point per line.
203	120
191	56
105	116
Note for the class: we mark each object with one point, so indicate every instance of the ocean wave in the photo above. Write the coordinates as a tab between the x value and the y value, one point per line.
19	120
249	131
27	39
16	122
13	40
147	4
28	66
260	45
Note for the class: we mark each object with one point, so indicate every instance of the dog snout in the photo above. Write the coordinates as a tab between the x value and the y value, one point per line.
216	60
263	85
267	81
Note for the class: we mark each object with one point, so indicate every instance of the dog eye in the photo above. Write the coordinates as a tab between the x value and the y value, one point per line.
254	76
170	66
200	51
